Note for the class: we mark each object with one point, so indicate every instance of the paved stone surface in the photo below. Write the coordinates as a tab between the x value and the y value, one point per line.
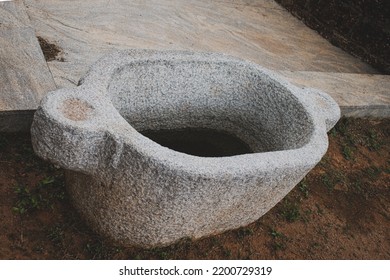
259	31
24	75
138	192
359	95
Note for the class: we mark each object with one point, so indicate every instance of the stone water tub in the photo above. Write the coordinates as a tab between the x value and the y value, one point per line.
138	192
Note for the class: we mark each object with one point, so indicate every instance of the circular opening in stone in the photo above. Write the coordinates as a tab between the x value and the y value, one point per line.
199	141
209	109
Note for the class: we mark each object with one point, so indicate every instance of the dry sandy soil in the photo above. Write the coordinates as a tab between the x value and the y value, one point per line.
341	210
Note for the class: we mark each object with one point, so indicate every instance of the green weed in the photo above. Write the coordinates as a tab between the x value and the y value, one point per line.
306	215
327	181
275	234
56	234
304	188
357	187
279	240
290	211
331	181
341	126
26	200
100	251
161	253
347	152
96	250
227	253
373	172
320	211
279	245
243	232
374	143
333	132
39	197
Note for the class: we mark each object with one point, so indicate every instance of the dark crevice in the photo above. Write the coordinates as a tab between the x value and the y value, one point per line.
50	50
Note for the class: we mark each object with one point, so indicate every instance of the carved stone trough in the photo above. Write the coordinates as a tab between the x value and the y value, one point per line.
139	192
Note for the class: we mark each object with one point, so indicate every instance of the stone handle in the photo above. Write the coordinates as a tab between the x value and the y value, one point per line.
323	106
67	132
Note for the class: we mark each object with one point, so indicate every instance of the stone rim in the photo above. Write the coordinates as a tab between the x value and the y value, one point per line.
108	120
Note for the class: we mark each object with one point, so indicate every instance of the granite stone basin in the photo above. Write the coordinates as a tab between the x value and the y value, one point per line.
163	145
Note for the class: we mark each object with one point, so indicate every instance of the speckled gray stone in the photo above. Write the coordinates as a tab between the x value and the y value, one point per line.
138	192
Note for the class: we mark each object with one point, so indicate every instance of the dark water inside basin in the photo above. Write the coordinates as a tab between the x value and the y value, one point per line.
199	142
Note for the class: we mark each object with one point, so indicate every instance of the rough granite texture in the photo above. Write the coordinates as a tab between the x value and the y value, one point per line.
24	75
138	192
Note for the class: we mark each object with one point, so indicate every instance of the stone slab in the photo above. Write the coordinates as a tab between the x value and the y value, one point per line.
359	95
13	14
24	75
258	31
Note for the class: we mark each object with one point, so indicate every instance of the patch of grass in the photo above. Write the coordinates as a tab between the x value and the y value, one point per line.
214	241
243	232
160	253
306	215
352	137
227	252
56	234
304	188
315	245
374	143
279	245
39	197
373	172
38	249
333	132
330	181
360	185
325	162
327	181
319	210
98	250
27	200
275	234
347	152
279	240
357	187
137	257
341	126
290	211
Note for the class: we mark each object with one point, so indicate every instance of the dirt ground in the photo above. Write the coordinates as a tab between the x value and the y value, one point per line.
341	210
360	27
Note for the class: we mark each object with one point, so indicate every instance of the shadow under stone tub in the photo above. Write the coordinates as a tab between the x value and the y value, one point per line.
234	139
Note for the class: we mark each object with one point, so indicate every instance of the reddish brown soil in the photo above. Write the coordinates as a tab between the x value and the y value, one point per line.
341	210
